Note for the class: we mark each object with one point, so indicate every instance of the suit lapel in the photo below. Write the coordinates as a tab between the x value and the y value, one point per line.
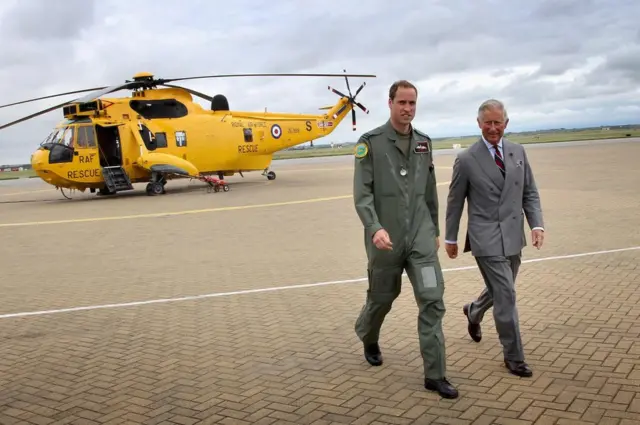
487	163
509	168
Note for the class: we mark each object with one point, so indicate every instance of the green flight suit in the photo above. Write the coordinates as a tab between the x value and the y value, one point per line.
395	189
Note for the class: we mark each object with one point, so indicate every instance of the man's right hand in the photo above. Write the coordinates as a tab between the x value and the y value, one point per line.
452	249
382	240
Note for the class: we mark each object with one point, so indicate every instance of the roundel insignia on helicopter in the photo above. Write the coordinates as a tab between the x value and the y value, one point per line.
276	131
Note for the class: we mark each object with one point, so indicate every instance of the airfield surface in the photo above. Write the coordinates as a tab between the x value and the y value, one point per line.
238	307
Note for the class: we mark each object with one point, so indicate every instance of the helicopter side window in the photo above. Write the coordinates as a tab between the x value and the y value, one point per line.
85	137
161	140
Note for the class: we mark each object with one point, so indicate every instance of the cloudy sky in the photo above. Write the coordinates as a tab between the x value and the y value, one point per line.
559	63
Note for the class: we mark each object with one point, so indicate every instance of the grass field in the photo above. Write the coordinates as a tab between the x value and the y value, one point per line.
12	175
446	143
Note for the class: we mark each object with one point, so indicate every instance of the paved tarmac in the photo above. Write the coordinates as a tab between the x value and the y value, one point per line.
238	307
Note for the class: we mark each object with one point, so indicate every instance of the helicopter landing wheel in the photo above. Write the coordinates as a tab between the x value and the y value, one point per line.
225	188
271	175
155	188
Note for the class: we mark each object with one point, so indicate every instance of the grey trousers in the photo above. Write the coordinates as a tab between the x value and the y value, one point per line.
499	274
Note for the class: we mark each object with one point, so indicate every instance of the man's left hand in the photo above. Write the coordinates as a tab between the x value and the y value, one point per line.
437	243
537	237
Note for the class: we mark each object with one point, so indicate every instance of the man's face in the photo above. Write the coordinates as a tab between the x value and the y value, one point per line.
492	124
403	107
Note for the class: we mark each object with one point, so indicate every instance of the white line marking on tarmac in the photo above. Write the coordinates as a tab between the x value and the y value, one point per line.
176	213
277	288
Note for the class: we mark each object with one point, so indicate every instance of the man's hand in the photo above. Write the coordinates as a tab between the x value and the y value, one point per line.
537	237
437	243
452	249
382	240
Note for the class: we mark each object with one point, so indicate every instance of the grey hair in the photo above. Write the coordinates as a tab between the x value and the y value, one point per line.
493	104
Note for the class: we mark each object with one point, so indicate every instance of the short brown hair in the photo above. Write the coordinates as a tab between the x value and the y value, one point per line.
400	83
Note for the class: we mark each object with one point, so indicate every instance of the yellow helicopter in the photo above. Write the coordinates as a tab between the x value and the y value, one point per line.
158	134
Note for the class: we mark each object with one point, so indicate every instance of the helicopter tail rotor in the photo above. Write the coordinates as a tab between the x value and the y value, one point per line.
352	100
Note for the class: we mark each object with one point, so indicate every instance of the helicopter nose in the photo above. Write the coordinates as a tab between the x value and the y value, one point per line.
39	159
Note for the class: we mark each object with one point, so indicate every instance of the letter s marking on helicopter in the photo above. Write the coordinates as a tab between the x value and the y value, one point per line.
308	125
276	131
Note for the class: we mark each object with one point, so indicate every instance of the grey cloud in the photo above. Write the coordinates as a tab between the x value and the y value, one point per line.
54	51
46	20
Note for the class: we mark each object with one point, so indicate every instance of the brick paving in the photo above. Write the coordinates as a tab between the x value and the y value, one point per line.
290	356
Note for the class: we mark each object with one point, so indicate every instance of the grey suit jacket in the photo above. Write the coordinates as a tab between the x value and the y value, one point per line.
496	205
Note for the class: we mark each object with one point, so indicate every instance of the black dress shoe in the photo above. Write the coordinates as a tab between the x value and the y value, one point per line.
474	329
372	354
442	387
519	369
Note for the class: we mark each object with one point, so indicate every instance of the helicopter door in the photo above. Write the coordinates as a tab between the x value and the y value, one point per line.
109	145
86	164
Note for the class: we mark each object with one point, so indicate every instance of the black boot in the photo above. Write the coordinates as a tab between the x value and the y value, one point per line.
442	387
372	354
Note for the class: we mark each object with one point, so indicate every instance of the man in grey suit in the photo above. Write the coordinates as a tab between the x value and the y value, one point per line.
495	178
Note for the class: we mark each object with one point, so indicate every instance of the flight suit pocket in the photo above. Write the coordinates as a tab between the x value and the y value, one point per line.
429	279
385	284
429	285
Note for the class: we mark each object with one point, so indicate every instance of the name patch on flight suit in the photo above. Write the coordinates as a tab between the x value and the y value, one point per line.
422	146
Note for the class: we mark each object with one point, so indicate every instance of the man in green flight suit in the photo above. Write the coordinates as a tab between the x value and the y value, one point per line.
396	200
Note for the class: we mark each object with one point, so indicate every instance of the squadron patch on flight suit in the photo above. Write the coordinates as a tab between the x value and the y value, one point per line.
361	150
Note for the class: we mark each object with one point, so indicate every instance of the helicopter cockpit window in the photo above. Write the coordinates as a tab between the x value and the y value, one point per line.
68	137
61	145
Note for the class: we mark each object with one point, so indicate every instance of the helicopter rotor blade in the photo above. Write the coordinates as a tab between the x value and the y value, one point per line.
353	118
165	80
337	92
51	96
104	91
361	106
359	89
193	92
347	81
28	117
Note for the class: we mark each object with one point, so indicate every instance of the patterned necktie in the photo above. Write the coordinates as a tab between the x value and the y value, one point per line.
499	161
